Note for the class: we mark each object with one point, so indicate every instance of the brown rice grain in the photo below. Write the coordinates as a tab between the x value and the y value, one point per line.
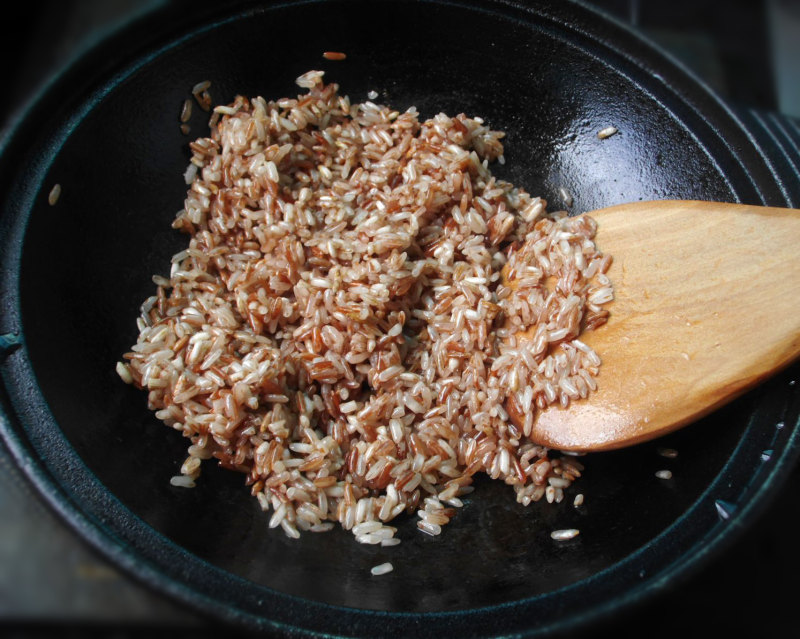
55	193
606	132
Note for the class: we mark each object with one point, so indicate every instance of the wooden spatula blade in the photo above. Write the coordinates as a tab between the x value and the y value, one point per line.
707	304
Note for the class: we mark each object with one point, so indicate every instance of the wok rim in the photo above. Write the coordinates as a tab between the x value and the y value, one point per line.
101	536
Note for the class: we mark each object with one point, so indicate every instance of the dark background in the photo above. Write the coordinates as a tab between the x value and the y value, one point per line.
51	584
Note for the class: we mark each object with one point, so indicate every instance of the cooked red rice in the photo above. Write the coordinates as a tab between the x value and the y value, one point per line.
338	328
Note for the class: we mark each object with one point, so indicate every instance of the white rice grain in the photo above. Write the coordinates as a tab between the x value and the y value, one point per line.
565	534
382	569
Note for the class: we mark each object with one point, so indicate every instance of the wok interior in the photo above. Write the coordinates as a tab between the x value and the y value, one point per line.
121	175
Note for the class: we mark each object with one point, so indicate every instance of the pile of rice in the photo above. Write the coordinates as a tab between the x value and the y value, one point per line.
343	327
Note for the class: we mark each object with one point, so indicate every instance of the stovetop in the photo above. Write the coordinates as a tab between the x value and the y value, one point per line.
51	583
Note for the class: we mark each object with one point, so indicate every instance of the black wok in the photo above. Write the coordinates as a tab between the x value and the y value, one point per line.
73	275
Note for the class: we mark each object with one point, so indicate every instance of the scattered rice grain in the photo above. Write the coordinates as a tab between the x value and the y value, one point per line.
382	569
186	110
54	194
607	132
563	535
182	481
566	197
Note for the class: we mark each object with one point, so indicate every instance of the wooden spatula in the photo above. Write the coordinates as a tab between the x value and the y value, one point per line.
707	305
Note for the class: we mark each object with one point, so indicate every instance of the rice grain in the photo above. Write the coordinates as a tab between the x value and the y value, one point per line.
565	534
55	193
606	132
382	569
